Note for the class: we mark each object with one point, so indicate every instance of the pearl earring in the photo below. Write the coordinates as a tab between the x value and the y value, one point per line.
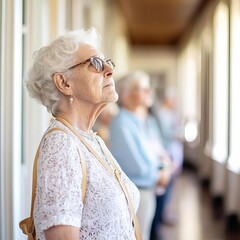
71	100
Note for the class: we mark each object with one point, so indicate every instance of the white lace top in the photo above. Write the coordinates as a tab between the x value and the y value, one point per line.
104	215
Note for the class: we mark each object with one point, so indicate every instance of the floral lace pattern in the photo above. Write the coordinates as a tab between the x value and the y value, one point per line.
104	215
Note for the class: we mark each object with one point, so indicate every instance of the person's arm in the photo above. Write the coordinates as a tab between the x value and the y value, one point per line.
62	232
58	205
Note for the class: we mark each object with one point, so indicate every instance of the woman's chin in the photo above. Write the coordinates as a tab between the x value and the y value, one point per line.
115	97
112	98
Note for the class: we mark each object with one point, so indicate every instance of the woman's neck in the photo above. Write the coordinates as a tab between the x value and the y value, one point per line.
81	117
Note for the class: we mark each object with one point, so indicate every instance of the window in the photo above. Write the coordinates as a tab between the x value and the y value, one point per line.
233	162
188	67
220	83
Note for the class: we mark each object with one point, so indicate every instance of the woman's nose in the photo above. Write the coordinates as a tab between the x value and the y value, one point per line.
108	71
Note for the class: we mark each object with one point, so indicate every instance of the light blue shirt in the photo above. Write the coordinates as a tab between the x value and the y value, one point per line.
130	146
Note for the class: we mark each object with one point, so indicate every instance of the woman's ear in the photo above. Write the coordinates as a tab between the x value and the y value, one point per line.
61	83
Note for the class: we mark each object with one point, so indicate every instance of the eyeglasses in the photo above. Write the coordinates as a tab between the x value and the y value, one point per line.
97	63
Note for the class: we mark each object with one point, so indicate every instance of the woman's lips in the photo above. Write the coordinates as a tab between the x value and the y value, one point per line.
109	85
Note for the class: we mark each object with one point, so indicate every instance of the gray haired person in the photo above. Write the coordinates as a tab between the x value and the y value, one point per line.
74	81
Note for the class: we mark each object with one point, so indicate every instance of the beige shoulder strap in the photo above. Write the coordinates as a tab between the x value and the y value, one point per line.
27	225
34	177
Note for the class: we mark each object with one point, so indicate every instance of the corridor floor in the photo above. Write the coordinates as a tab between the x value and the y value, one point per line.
192	206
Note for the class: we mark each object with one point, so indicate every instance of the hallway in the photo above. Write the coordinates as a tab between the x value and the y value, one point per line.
192	205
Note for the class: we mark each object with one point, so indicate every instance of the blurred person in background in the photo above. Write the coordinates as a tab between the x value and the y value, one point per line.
165	114
164	109
134	148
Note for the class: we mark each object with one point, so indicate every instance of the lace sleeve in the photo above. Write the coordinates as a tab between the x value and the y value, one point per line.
59	177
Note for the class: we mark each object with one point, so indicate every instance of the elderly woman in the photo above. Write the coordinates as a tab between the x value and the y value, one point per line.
74	81
135	143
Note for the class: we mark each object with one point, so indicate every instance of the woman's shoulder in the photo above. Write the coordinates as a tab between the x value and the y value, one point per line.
59	136
60	130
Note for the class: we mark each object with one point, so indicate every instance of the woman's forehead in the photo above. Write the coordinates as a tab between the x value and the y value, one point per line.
86	51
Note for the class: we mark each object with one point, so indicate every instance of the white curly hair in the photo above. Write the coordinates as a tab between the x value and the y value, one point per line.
58	56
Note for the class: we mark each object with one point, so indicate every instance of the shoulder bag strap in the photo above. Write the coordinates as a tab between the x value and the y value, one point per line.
116	173
34	177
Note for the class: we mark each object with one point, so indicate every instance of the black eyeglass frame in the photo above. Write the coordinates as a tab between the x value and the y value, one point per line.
92	62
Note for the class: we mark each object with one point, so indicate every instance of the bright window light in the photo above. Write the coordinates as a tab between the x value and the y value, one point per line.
233	161
220	84
191	131
188	64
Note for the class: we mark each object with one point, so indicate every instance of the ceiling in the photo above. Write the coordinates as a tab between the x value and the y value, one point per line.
160	22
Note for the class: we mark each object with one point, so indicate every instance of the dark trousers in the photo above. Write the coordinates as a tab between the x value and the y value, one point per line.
158	217
159	213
